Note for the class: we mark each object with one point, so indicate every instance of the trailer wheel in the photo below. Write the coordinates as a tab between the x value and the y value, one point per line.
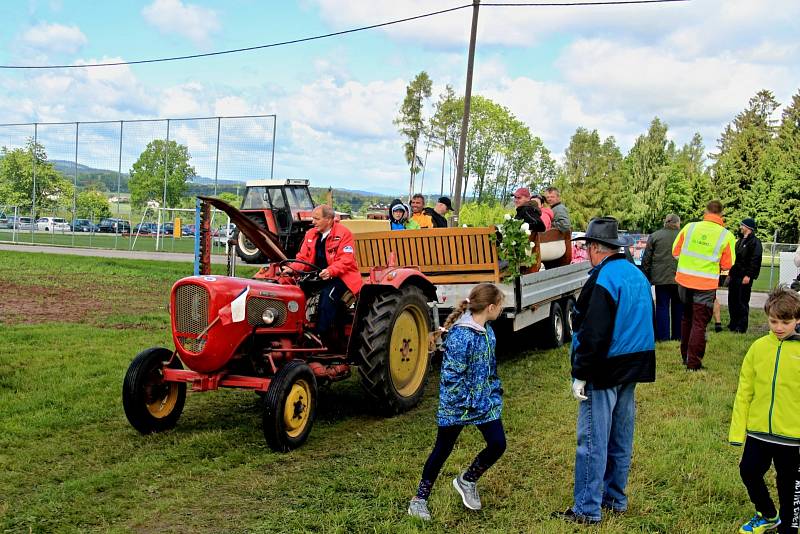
152	405
569	302
290	407
393	349
247	250
555	325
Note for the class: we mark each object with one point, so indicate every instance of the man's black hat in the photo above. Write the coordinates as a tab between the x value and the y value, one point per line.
604	230
446	202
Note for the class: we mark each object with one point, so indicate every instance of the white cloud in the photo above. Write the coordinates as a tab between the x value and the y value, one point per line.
188	20
349	109
55	38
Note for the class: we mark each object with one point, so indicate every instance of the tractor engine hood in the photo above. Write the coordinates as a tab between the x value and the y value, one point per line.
212	315
262	239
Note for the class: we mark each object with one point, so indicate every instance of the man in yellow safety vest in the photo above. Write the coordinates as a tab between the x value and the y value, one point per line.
702	249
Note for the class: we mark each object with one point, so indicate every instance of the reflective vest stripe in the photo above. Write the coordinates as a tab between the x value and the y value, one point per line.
699	274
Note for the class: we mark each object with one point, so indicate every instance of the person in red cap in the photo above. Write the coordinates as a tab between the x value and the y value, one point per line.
526	211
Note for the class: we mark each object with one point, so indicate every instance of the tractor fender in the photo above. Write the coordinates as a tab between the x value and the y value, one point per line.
392	280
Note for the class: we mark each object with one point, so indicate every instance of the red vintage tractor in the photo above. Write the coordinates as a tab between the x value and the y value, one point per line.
256	334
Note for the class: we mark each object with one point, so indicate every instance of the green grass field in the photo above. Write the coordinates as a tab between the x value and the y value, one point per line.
70	462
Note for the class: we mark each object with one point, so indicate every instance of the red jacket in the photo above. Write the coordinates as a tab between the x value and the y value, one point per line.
340	253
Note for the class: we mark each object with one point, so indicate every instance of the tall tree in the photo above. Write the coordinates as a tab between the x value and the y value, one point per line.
17	179
411	121
738	164
590	178
647	175
159	160
782	173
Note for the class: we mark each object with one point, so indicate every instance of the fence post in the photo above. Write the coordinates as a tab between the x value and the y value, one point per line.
33	200
272	164
75	191
772	259
216	161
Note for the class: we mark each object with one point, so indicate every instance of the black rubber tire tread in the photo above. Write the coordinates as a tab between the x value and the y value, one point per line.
258	257
551	340
133	391
566	307
373	356
274	431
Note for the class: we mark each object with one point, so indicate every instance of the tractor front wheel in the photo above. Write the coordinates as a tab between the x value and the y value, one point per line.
152	405
290	407
393	350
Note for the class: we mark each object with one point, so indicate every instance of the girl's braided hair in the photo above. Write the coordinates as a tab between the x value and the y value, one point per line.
479	299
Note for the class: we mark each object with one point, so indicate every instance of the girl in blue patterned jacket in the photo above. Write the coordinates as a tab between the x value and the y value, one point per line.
469	394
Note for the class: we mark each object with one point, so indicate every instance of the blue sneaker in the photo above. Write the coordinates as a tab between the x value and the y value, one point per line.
759	524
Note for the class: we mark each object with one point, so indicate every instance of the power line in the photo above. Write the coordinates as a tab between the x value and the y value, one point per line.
236	50
572	4
343	32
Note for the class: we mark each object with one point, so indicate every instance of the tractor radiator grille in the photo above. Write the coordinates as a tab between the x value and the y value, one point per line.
191	315
256	307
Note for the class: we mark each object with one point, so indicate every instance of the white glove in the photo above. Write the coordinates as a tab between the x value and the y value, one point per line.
579	389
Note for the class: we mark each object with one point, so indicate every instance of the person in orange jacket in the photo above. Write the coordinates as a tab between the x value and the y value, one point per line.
702	248
330	247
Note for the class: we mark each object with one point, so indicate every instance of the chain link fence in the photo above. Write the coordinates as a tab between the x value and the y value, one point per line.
99	156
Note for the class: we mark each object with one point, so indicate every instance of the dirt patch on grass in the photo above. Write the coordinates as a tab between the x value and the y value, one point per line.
74	299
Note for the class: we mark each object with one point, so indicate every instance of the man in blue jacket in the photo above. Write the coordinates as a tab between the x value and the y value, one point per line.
613	348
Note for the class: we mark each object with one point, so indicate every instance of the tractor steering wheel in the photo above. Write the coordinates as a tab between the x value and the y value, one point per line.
303	276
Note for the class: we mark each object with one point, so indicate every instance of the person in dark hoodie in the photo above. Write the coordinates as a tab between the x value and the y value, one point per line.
527	211
399	216
742	275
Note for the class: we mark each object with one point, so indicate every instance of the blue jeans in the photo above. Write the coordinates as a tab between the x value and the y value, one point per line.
668	308
605	444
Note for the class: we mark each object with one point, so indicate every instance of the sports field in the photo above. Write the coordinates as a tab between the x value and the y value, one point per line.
70	462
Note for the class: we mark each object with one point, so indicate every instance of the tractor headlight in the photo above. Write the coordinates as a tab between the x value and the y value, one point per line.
268	316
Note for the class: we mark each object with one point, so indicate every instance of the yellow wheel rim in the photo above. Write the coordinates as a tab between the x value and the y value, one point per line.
297	409
160	397
408	351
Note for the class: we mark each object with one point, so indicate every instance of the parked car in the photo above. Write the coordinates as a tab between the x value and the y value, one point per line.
145	228
223	234
187	229
52	224
20	223
3	220
83	225
114	226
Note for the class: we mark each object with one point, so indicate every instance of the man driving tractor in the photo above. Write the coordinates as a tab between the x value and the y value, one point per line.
329	247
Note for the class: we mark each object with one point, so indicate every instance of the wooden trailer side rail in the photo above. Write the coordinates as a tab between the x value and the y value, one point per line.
444	255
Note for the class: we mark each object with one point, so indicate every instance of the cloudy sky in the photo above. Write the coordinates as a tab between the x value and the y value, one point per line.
693	64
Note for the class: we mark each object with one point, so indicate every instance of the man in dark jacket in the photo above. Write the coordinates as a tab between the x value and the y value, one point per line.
659	266
613	348
526	211
439	212
744	271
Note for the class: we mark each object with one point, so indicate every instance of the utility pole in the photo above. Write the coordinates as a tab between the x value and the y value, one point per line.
462	142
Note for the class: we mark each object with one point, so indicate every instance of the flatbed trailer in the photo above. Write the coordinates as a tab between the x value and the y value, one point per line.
544	297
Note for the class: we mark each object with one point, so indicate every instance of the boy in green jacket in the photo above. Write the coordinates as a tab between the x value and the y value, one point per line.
767	412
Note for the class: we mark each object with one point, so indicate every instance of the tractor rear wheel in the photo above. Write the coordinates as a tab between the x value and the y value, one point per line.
152	405
247	250
290	406
393	350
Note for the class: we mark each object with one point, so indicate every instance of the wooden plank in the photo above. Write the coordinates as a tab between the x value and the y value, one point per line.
382	251
421	252
440	259
377	260
460	259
